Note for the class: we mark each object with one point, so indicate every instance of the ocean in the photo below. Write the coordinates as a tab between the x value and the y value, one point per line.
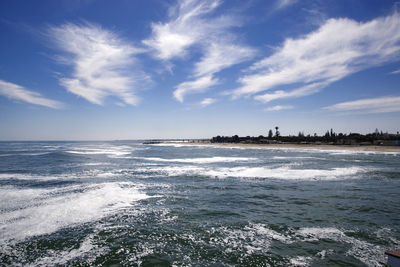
127	203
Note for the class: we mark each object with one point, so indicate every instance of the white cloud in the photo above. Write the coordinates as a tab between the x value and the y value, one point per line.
284	3
370	105
299	92
218	56
207	101
193	25
395	72
17	92
337	49
222	55
196	86
277	108
189	23
100	60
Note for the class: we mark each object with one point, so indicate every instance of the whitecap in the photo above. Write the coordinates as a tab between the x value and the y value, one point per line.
289	157
285	173
96	164
102	150
301	261
99	152
203	160
66	207
369	254
245	240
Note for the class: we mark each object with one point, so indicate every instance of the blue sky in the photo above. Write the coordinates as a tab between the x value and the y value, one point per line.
100	70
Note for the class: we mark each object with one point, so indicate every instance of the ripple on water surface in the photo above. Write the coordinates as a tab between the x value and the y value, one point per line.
127	203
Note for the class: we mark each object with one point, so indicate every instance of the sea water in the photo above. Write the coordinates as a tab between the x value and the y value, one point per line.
103	203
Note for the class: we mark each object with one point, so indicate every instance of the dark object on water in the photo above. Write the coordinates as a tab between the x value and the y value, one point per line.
393	258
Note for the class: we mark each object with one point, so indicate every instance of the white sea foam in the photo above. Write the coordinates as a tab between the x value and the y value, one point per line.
316	233
99	152
245	240
96	163
203	160
64	208
253	238
257	238
13	198
284	173
173	170
34	154
86	248
25	176
102	150
369	254
17	176
263	230
25	154
289	157
300	261
202	146
82	174
287	172
174	144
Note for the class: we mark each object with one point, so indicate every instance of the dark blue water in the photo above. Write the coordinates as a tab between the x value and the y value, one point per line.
103	203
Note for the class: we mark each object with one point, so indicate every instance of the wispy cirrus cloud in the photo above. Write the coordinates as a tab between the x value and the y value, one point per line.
340	47
101	63
395	72
220	55
17	92
370	105
278	108
280	4
217	57
194	25
207	101
189	23
295	93
197	86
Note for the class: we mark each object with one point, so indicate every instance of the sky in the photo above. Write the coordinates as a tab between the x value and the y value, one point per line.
117	70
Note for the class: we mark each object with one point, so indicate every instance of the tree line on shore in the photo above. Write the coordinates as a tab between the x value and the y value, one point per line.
330	137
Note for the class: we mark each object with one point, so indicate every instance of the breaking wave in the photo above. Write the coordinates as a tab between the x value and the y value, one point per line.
284	172
31	212
203	160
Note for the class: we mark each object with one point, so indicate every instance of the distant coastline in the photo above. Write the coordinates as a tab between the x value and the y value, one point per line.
280	145
376	141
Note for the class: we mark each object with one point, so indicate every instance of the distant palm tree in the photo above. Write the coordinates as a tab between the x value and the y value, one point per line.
277	132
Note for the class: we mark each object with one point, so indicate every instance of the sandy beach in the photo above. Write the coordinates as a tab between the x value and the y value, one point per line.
292	146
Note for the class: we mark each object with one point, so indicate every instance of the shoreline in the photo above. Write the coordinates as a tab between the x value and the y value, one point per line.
371	148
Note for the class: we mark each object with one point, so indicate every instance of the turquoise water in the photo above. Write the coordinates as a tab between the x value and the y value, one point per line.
103	203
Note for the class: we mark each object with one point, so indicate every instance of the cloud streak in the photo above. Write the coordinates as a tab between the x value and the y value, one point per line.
278	108
395	72
298	92
280	4
369	105
207	102
340	47
17	92
100	61
197	86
